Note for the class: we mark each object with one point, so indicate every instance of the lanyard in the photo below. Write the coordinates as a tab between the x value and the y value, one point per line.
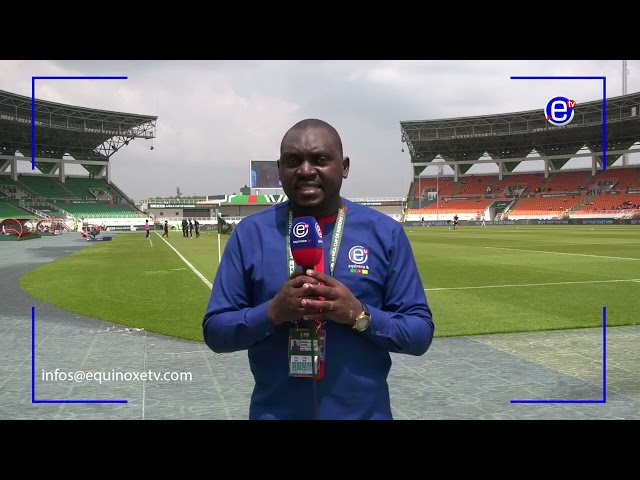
318	371
335	241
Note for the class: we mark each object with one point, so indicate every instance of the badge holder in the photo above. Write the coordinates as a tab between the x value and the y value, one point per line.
307	352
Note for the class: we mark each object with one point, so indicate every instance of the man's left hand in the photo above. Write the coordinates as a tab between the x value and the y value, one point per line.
338	303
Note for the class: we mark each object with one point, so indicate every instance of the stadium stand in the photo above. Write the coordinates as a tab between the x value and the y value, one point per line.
477	185
510	139
563	194
506	139
8	210
540	206
615	205
568	181
67	135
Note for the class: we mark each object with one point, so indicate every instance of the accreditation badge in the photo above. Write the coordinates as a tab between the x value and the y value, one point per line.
303	360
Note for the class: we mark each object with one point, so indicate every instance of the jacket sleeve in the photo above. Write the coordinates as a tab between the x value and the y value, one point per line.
230	322
404	324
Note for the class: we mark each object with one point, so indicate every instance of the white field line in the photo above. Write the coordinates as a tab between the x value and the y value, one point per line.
564	253
200	276
531	284
208	283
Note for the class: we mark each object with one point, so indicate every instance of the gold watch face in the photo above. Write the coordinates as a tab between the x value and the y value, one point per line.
363	322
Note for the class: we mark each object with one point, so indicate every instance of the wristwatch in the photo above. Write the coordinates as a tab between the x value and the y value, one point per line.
363	320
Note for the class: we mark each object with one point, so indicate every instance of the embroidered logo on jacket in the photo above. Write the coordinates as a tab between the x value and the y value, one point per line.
358	257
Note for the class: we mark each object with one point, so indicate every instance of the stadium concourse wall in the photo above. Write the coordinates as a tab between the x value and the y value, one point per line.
233	208
576	218
530	221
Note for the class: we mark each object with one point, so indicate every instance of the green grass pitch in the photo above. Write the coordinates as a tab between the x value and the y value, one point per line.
478	280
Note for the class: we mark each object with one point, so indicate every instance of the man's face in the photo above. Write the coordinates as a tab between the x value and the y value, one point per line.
311	167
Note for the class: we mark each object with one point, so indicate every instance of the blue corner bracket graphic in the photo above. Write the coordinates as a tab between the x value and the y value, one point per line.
604	371
604	309
33	309
33	372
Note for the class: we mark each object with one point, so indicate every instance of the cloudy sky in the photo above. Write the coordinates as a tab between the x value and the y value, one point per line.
216	116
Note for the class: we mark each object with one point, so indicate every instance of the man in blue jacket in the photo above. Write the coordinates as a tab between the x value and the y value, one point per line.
363	300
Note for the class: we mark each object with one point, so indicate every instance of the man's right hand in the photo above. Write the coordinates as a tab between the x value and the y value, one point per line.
286	306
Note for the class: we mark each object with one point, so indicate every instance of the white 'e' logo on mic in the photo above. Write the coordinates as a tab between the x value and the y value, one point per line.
300	230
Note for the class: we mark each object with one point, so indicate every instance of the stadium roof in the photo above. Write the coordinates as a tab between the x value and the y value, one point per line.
512	136
80	132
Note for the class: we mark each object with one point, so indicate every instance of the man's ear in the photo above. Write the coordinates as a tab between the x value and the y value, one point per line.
345	167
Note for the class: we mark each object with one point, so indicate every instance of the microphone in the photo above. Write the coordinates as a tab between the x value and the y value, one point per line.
306	242
306	249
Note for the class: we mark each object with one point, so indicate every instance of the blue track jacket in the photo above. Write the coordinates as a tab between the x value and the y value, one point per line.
253	268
